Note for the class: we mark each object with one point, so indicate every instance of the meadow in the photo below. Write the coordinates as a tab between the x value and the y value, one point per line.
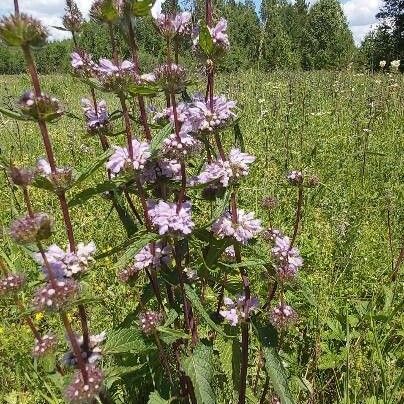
342	128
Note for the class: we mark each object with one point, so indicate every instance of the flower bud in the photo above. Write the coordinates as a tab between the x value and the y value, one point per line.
312	181
44	107
295	177
54	297
79	392
149	321
22	30
21	176
31	229
45	345
11	284
171	77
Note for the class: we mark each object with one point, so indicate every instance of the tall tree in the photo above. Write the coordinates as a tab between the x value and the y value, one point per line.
329	41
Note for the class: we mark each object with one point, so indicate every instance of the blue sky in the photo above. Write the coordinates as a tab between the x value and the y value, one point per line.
360	13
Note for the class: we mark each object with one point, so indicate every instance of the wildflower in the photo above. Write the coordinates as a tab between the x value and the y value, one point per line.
96	116
79	392
282	316
83	65
43	107
395	64
54	297
152	255
382	64
67	263
22	30
11	283
29	229
236	312
44	345
219	34
21	176
116	77
312	181
181	146
73	19
295	177
149	321
172	25
128	273
275	400
166	219
93	353
244	230
230	254
120	160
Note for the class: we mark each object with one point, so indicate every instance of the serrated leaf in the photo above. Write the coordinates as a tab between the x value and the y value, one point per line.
137	244
88	171
205	40
277	375
170	335
125	340
14	114
197	306
199	368
158	138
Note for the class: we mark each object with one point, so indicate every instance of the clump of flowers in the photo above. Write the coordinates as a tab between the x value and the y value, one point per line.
295	177
55	295
149	321
97	118
44	345
11	283
173	25
62	178
152	255
21	176
30	229
43	107
167	218
282	316
236	311
245	229
83	65
91	353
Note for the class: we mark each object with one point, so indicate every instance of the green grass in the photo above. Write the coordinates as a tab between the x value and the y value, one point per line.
346	129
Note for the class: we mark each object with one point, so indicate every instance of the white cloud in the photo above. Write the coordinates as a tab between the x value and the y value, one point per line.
361	16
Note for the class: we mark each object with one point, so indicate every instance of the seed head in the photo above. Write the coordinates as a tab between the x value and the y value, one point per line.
31	229
22	30
44	107
149	321
21	176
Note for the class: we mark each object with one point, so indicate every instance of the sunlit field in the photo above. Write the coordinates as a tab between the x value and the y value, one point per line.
345	131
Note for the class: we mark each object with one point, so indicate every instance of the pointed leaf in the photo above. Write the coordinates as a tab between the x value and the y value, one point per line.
205	40
125	340
88	171
158	138
155	398
14	114
170	335
199	368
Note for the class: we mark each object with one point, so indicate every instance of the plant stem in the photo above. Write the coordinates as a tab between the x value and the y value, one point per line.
298	216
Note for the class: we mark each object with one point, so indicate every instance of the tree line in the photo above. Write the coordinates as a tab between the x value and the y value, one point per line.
281	36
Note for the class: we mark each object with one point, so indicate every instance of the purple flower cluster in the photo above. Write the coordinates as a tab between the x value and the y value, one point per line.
288	257
120	159
96	116
45	345
171	77
12	283
93	353
282	316
79	391
67	263
31	229
244	230
235	312
172	25
54	297
179	147
152	255
219	34
224	172
167	218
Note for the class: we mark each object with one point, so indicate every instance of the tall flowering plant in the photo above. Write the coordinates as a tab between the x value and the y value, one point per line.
164	172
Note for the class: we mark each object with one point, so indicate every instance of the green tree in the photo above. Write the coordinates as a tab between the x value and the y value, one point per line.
329	43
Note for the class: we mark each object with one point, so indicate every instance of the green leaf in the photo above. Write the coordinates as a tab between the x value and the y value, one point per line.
197	305
115	373
170	335
205	40
86	194
238	137
171	317
14	114
125	340
157	140
88	171
141	8
199	368
43	183
141	240
143	89
277	375
155	398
